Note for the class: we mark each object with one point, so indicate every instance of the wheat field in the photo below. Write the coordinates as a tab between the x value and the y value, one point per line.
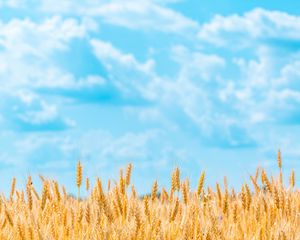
262	209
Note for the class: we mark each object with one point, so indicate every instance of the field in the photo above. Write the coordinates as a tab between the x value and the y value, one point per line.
262	209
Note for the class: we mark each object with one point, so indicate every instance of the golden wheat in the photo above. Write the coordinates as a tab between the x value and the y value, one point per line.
270	211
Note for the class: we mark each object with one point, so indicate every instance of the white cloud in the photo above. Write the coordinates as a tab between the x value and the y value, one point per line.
20	37
129	75
192	92
45	114
108	53
130	145
25	96
27	48
11	3
290	75
26	111
267	89
143	15
98	147
259	24
257	73
197	64
197	78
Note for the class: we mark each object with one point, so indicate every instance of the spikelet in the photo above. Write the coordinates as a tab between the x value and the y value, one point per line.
265	205
65	217
280	178
79	214
175	210
276	197
256	187
281	199
184	189
292	178
122	183
87	184
9	218
44	195
79	174
133	192
128	174
108	185
154	191
12	190
233	194
279	159
177	179
42	178
137	219
225	183
22	197
219	194
64	193
244	197
266	181
225	203
30	233
29	197
20	231
99	189
78	178
256	174
146	208
248	196
88	214
124	207
57	193
164	196
257	212
35	193
118	200
208	236
200	183
107	211
53	230
234	213
3	224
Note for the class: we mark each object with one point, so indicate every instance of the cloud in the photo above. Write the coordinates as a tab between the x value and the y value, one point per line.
137	15
99	149
27	112
268	89
212	104
263	48
122	84
259	24
144	15
289	76
126	73
196	64
20	37
44	119
107	53
105	94
124	147
11	3
37	152
27	48
190	101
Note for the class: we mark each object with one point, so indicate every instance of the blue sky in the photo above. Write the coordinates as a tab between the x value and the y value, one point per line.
204	85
